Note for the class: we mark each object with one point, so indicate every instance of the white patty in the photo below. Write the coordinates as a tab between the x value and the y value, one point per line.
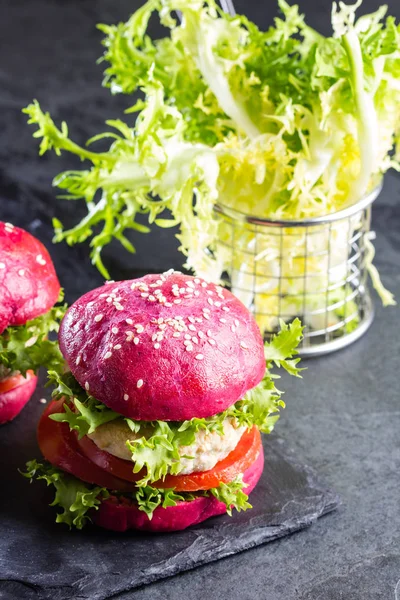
207	449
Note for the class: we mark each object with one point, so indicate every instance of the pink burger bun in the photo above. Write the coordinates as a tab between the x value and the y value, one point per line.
28	282
166	347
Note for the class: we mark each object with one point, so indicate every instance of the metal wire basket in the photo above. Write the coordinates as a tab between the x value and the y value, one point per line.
315	269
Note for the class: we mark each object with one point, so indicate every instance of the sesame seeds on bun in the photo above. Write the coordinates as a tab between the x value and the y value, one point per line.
28	282
165	347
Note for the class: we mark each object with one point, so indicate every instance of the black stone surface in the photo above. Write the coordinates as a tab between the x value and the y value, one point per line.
40	559
343	418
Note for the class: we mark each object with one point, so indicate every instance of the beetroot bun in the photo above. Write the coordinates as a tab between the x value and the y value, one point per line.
165	347
28	282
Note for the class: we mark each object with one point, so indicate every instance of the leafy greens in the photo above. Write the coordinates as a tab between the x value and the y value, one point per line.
76	498
283	123
27	346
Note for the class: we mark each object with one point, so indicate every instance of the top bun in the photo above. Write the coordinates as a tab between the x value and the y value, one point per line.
28	282
163	347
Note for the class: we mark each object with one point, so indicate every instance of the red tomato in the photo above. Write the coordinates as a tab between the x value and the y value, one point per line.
224	471
59	447
15	380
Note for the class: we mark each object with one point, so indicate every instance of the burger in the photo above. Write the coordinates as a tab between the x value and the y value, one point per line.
28	290
157	424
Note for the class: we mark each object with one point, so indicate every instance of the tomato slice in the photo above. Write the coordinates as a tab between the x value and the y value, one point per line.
59	447
14	380
224	471
236	463
110	463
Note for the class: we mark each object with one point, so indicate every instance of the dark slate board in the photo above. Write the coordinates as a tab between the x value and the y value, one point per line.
40	559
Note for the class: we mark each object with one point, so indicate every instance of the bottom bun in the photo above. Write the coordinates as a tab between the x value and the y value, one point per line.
14	400
120	517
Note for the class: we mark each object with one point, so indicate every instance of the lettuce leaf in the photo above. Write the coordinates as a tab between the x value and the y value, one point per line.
27	346
76	499
284	123
87	413
159	451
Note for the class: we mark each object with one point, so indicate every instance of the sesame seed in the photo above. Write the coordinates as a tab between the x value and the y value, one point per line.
129	321
152	299
222	320
118	306
156	346
212	342
21	272
190	284
160	320
108	355
176	334
191	320
154	337
144	295
192	327
201	335
243	345
209	333
117	347
103	295
90	303
210	293
139	328
78	359
133	286
195	340
233	329
217	304
136	341
162	326
196	293
42	400
87	386
187	342
31	341
126	397
109	299
197	280
236	323
206	316
2	265
210	301
199	357
177	301
139	383
203	284
98	318
40	260
168	304
189	347
114	330
187	336
109	281
225	308
206	309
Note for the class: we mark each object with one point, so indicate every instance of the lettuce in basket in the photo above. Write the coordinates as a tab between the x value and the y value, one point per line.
283	123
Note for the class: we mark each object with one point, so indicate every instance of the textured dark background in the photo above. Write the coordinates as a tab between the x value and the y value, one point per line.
343	418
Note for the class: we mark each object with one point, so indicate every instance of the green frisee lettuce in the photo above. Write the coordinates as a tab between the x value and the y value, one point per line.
27	347
284	123
76	498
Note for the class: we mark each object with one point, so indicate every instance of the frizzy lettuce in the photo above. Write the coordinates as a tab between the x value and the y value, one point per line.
284	123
